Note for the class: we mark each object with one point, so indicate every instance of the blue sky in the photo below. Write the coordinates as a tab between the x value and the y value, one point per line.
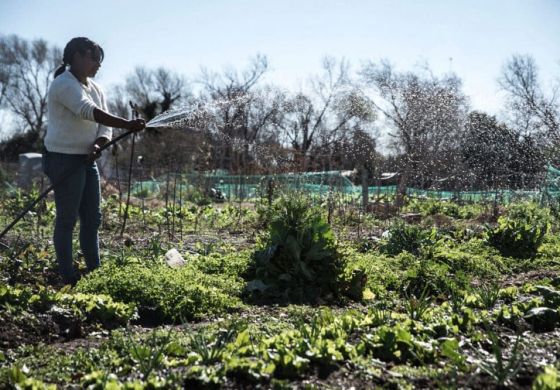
472	38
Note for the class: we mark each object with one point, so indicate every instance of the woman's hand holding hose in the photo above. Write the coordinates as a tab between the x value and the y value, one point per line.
136	124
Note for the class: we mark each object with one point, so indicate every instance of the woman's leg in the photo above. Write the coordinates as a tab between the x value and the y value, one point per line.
67	197
90	217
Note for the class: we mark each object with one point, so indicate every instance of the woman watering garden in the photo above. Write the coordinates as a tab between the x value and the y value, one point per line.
78	126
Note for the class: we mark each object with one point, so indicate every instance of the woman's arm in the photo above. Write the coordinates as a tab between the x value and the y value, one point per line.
110	120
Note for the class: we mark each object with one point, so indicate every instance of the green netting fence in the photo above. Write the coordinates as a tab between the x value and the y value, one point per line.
250	187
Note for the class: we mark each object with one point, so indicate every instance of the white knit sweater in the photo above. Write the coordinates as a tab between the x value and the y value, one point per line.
71	128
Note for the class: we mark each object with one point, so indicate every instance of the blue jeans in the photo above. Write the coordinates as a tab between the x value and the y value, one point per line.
78	195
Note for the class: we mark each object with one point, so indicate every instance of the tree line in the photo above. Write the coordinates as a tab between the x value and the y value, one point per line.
244	125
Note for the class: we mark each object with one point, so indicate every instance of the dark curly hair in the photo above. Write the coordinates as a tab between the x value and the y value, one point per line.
77	45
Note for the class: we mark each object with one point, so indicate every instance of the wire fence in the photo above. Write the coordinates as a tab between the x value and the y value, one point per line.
221	186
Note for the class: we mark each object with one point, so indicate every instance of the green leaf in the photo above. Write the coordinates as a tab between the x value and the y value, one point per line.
309	274
293	247
242	339
450	348
17	374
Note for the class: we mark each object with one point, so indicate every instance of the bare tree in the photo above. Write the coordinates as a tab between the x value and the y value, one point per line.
26	69
3	84
154	90
231	83
119	102
532	109
425	112
27	72
324	117
3	87
260	131
241	112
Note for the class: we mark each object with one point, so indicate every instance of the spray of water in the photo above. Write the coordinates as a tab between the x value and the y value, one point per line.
206	118
188	117
203	118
